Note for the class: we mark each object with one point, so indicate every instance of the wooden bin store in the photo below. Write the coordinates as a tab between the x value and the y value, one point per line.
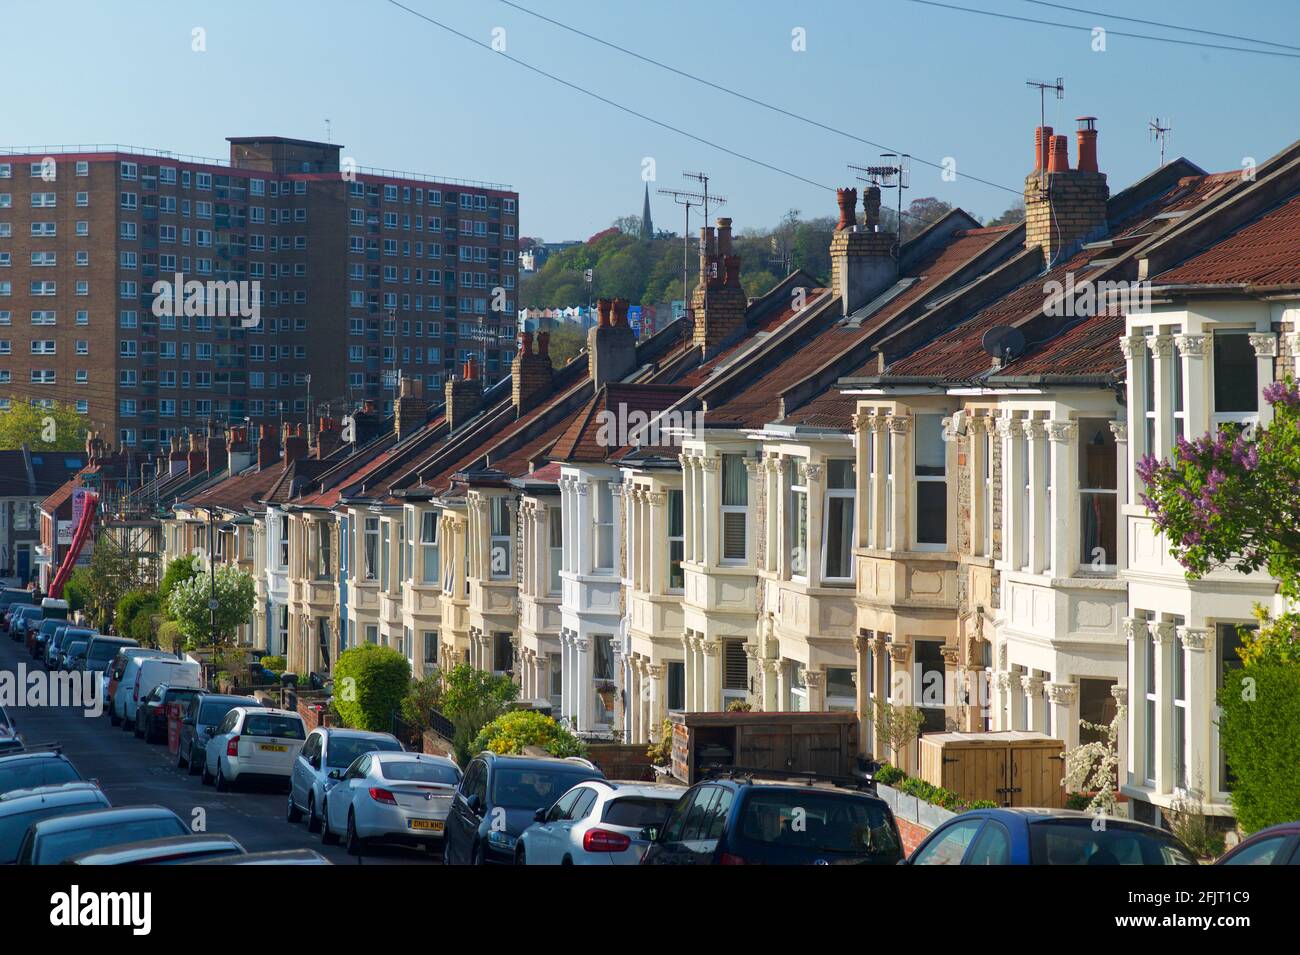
1010	768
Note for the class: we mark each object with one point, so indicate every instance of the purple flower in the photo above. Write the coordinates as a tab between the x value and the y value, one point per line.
1283	393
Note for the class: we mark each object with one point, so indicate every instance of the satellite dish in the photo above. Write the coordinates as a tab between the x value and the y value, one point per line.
1004	342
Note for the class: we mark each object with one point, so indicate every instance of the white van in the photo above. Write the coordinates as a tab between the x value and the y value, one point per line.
142	674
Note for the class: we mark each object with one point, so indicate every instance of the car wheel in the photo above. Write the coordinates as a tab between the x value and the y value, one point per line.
180	758
313	821
292	813
353	840
222	785
327	837
207	777
520	857
446	851
192	765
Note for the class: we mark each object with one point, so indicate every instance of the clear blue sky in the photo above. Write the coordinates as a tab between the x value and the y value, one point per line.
403	94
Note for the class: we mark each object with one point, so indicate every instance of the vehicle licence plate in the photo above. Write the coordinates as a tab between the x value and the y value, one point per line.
272	748
432	825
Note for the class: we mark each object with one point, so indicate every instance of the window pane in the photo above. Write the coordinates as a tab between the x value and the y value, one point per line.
931	512
735	481
839	537
839	475
1234	373
929	445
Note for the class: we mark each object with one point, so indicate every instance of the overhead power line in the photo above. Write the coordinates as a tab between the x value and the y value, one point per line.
789	114
1157	23
1087	29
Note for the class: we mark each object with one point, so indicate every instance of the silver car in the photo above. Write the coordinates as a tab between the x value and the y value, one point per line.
255	742
390	797
328	748
597	822
20	809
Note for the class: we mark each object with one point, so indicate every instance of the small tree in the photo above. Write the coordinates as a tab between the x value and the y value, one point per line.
235	596
370	682
467	688
897	725
1094	767
178	571
59	428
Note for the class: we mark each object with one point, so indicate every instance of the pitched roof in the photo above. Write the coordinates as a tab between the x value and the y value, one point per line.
1264	253
588	438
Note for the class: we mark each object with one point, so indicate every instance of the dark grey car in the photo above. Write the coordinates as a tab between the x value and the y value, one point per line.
204	713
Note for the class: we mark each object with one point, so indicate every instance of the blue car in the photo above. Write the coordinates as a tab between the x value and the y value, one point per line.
1048	837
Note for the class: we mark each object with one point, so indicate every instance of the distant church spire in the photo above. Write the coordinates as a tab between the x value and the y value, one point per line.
647	224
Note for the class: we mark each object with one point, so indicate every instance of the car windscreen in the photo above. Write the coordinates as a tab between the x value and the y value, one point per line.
27	773
413	771
74	645
271	724
638	812
14	826
342	750
180	694
819	822
54	847
213	712
1076	842
533	787
100	652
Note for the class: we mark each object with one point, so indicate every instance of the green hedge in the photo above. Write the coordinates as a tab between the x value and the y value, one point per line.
1258	731
935	795
369	684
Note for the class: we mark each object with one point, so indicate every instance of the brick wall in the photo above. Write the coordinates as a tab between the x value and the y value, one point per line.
913	834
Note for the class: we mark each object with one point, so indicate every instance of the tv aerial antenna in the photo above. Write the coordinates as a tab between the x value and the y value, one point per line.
1159	130
894	171
1043	86
687	200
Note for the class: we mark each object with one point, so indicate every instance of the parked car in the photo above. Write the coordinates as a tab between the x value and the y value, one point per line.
27	770
389	796
497	800
13	614
151	714
54	840
327	749
746	820
1047	837
55	644
597	822
168	850
1276	845
73	650
13	595
116	669
274	857
41	634
102	650
24	619
203	713
19	810
253	742
142	674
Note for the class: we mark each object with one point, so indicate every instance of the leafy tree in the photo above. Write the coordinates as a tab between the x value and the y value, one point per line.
77	591
58	428
235	595
511	732
466	687
133	615
1013	214
897	725
1094	766
421	700
370	682
567	339
179	570
113	572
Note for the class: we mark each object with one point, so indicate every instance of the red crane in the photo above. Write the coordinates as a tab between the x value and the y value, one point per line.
79	537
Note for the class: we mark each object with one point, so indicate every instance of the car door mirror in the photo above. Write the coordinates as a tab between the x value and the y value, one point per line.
475	804
649	833
313	762
540	815
335	774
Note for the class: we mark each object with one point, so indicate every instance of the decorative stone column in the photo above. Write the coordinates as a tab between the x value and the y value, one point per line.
688	672
1196	380
861	685
1198	647
951	703
1120	430
1032	685
899	427
1134	348
771	670
879	686
1064	698
658	699
1002	700
584	690
1013	495
1162	632
1063	438
1265	345
902	692
1135	633
711	466
711	650
814	475
878	503
1162	348
1120	693
1038	557
1018	700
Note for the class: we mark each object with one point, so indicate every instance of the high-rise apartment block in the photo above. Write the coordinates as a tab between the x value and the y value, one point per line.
158	293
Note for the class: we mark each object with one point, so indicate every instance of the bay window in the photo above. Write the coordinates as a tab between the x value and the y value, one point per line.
323	557
676	542
370	552
1235	372
1098	493
555	527
931	482
499	530
429	546
735	509
837	530
797	517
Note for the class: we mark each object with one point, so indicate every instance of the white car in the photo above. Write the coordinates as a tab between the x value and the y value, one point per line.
328	748
390	797
597	822
253	742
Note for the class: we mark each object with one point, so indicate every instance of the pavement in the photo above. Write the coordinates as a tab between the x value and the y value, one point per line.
132	772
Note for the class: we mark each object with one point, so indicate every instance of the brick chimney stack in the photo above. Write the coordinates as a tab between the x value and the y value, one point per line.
177	461
215	457
328	437
719	300
862	258
531	372
197	459
239	452
410	409
464	395
611	345
268	447
1064	207
295	443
